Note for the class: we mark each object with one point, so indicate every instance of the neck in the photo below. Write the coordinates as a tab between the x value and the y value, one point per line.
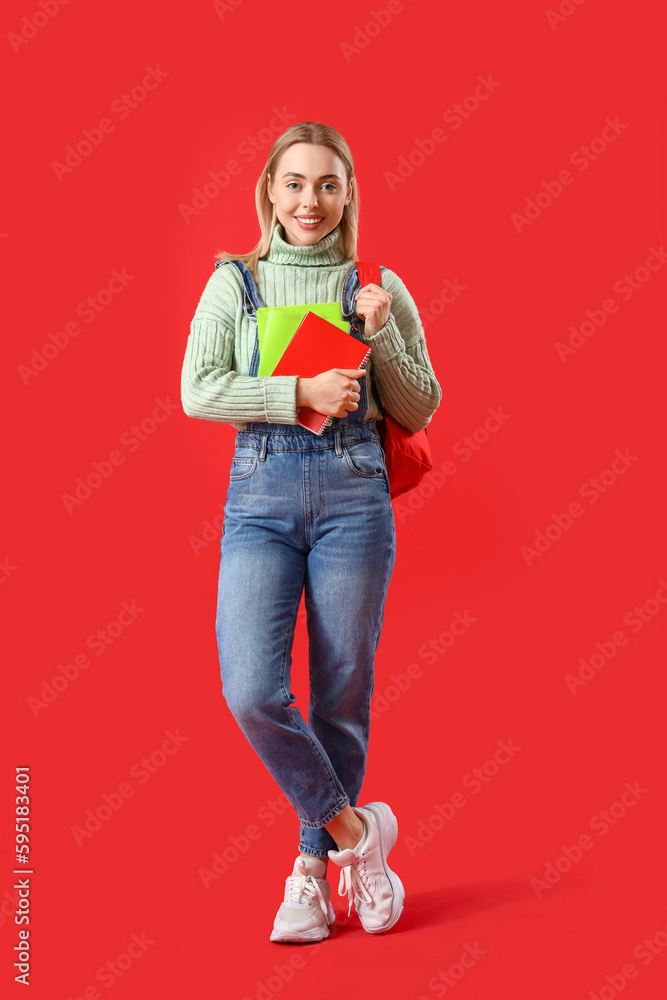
325	251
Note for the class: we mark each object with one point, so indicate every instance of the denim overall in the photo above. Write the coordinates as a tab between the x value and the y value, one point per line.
305	512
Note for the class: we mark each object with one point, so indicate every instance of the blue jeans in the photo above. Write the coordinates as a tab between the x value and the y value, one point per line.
305	511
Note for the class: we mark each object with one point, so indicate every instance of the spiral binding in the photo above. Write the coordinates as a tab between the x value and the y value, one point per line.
329	420
325	423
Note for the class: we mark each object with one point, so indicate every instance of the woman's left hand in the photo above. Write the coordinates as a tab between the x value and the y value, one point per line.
373	306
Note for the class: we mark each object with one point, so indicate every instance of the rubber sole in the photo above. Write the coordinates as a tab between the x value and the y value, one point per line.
288	935
305	937
388	827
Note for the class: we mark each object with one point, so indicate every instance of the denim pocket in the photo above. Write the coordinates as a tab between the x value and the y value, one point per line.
243	464
365	459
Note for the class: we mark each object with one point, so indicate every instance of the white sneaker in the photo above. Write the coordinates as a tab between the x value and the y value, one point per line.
306	912
378	891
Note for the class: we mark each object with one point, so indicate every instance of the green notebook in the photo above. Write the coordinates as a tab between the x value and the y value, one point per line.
276	325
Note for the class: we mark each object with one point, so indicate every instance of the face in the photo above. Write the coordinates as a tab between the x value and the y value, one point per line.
309	192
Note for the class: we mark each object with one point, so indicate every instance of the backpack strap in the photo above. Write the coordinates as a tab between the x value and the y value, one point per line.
368	272
359	276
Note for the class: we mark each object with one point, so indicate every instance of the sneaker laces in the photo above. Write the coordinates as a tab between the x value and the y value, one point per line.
354	882
304	888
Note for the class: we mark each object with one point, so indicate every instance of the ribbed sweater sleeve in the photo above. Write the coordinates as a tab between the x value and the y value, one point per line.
402	369
211	387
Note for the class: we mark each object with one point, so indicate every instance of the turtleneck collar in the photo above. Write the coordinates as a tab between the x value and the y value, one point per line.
325	251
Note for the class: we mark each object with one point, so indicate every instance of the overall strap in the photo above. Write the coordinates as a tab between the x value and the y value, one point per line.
252	300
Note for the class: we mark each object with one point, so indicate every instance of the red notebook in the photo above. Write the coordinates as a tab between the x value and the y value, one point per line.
316	347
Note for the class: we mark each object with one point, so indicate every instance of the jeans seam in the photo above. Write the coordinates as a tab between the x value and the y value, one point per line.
321	481
335	785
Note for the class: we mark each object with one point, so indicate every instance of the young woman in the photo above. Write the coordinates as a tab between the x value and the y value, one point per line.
313	512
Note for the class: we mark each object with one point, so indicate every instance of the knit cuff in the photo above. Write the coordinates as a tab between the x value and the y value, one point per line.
280	399
386	343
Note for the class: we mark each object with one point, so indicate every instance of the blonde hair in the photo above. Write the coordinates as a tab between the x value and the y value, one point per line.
319	135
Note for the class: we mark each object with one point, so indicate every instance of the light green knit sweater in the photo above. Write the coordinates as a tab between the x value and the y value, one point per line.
215	384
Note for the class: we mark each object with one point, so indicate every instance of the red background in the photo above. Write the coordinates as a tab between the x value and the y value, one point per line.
66	574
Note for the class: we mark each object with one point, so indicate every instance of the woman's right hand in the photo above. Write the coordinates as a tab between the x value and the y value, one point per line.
333	393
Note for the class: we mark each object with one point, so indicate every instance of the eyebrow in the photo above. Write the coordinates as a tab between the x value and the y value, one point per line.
324	177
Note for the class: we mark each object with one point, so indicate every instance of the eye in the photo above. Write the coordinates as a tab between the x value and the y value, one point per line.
329	184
